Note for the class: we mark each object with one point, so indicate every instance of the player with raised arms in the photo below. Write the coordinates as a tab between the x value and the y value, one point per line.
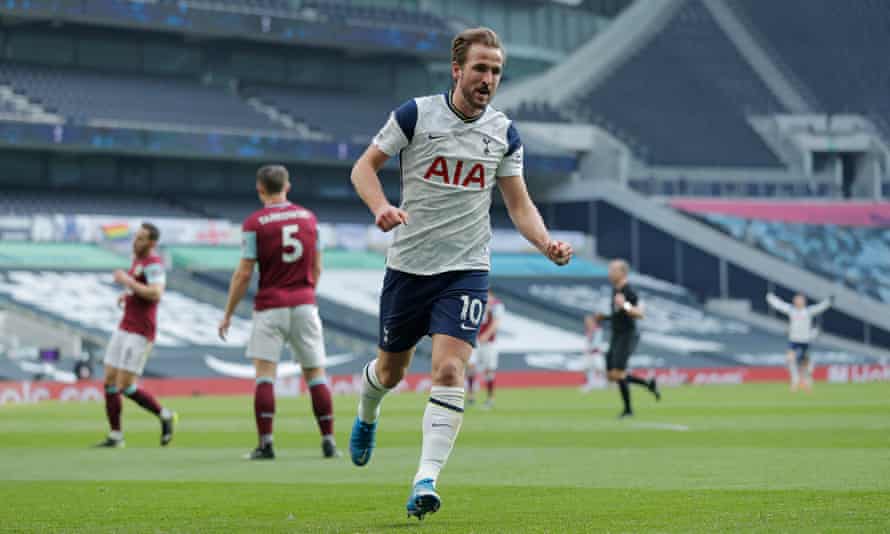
131	344
282	238
454	147
800	333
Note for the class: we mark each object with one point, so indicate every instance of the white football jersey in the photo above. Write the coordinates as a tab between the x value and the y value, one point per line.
449	164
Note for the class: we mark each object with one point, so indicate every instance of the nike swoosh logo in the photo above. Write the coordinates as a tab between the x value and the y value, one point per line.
465	327
434	137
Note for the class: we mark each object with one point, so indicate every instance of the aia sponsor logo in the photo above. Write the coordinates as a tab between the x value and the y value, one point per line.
462	174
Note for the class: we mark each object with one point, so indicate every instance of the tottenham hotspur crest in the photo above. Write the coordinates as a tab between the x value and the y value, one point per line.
486	140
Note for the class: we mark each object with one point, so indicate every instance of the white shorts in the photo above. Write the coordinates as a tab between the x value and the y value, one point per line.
299	327
128	351
485	357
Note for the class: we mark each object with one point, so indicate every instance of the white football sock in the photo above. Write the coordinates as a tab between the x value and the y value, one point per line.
371	395
441	423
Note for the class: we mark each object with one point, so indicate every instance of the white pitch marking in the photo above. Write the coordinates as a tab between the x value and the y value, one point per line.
661	426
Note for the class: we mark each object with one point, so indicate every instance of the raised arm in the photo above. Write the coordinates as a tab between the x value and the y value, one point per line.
528	221
820	307
778	304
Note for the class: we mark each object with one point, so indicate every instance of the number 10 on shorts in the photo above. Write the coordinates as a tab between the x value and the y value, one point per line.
472	309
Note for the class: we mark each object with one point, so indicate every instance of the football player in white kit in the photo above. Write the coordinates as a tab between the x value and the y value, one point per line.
453	149
800	333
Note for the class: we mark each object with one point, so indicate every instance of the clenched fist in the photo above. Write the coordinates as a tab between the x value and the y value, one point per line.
389	217
559	252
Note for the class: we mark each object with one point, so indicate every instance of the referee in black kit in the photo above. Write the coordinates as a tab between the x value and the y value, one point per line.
625	336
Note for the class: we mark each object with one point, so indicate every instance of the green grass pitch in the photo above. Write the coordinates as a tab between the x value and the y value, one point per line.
705	459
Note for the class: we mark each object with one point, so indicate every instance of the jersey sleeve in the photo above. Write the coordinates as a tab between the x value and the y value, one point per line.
248	240
155	274
778	304
820	307
513	161
398	131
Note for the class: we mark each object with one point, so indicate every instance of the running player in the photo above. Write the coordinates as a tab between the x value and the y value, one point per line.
594	366
131	344
283	239
485	356
626	311
800	333
454	148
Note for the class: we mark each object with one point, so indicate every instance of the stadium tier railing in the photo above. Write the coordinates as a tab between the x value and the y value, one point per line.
298	27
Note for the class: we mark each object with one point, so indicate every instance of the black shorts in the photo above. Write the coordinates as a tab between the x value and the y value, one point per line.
801	352
620	349
413	306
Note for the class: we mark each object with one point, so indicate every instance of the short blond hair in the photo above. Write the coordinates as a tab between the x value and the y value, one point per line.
462	42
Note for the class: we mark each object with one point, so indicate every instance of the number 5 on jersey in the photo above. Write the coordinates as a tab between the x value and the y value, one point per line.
289	239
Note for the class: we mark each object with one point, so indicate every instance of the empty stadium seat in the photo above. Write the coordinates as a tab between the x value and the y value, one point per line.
343	115
684	97
855	256
838	50
82	95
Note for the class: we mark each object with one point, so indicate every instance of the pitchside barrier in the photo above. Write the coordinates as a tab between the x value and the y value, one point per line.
91	391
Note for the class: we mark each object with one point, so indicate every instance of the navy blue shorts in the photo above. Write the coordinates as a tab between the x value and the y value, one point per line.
801	351
413	306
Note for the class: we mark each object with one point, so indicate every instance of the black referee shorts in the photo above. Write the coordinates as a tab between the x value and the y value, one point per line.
620	349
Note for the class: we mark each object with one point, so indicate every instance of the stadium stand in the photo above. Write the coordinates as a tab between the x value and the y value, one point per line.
139	100
360	15
683	98
537	112
854	256
29	202
341	114
731	188
387	17
837	50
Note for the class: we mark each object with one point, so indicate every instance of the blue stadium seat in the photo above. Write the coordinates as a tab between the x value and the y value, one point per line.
854	256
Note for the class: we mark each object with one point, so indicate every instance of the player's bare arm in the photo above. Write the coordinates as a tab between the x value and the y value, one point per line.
150	292
635	312
367	184
237	289
528	221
